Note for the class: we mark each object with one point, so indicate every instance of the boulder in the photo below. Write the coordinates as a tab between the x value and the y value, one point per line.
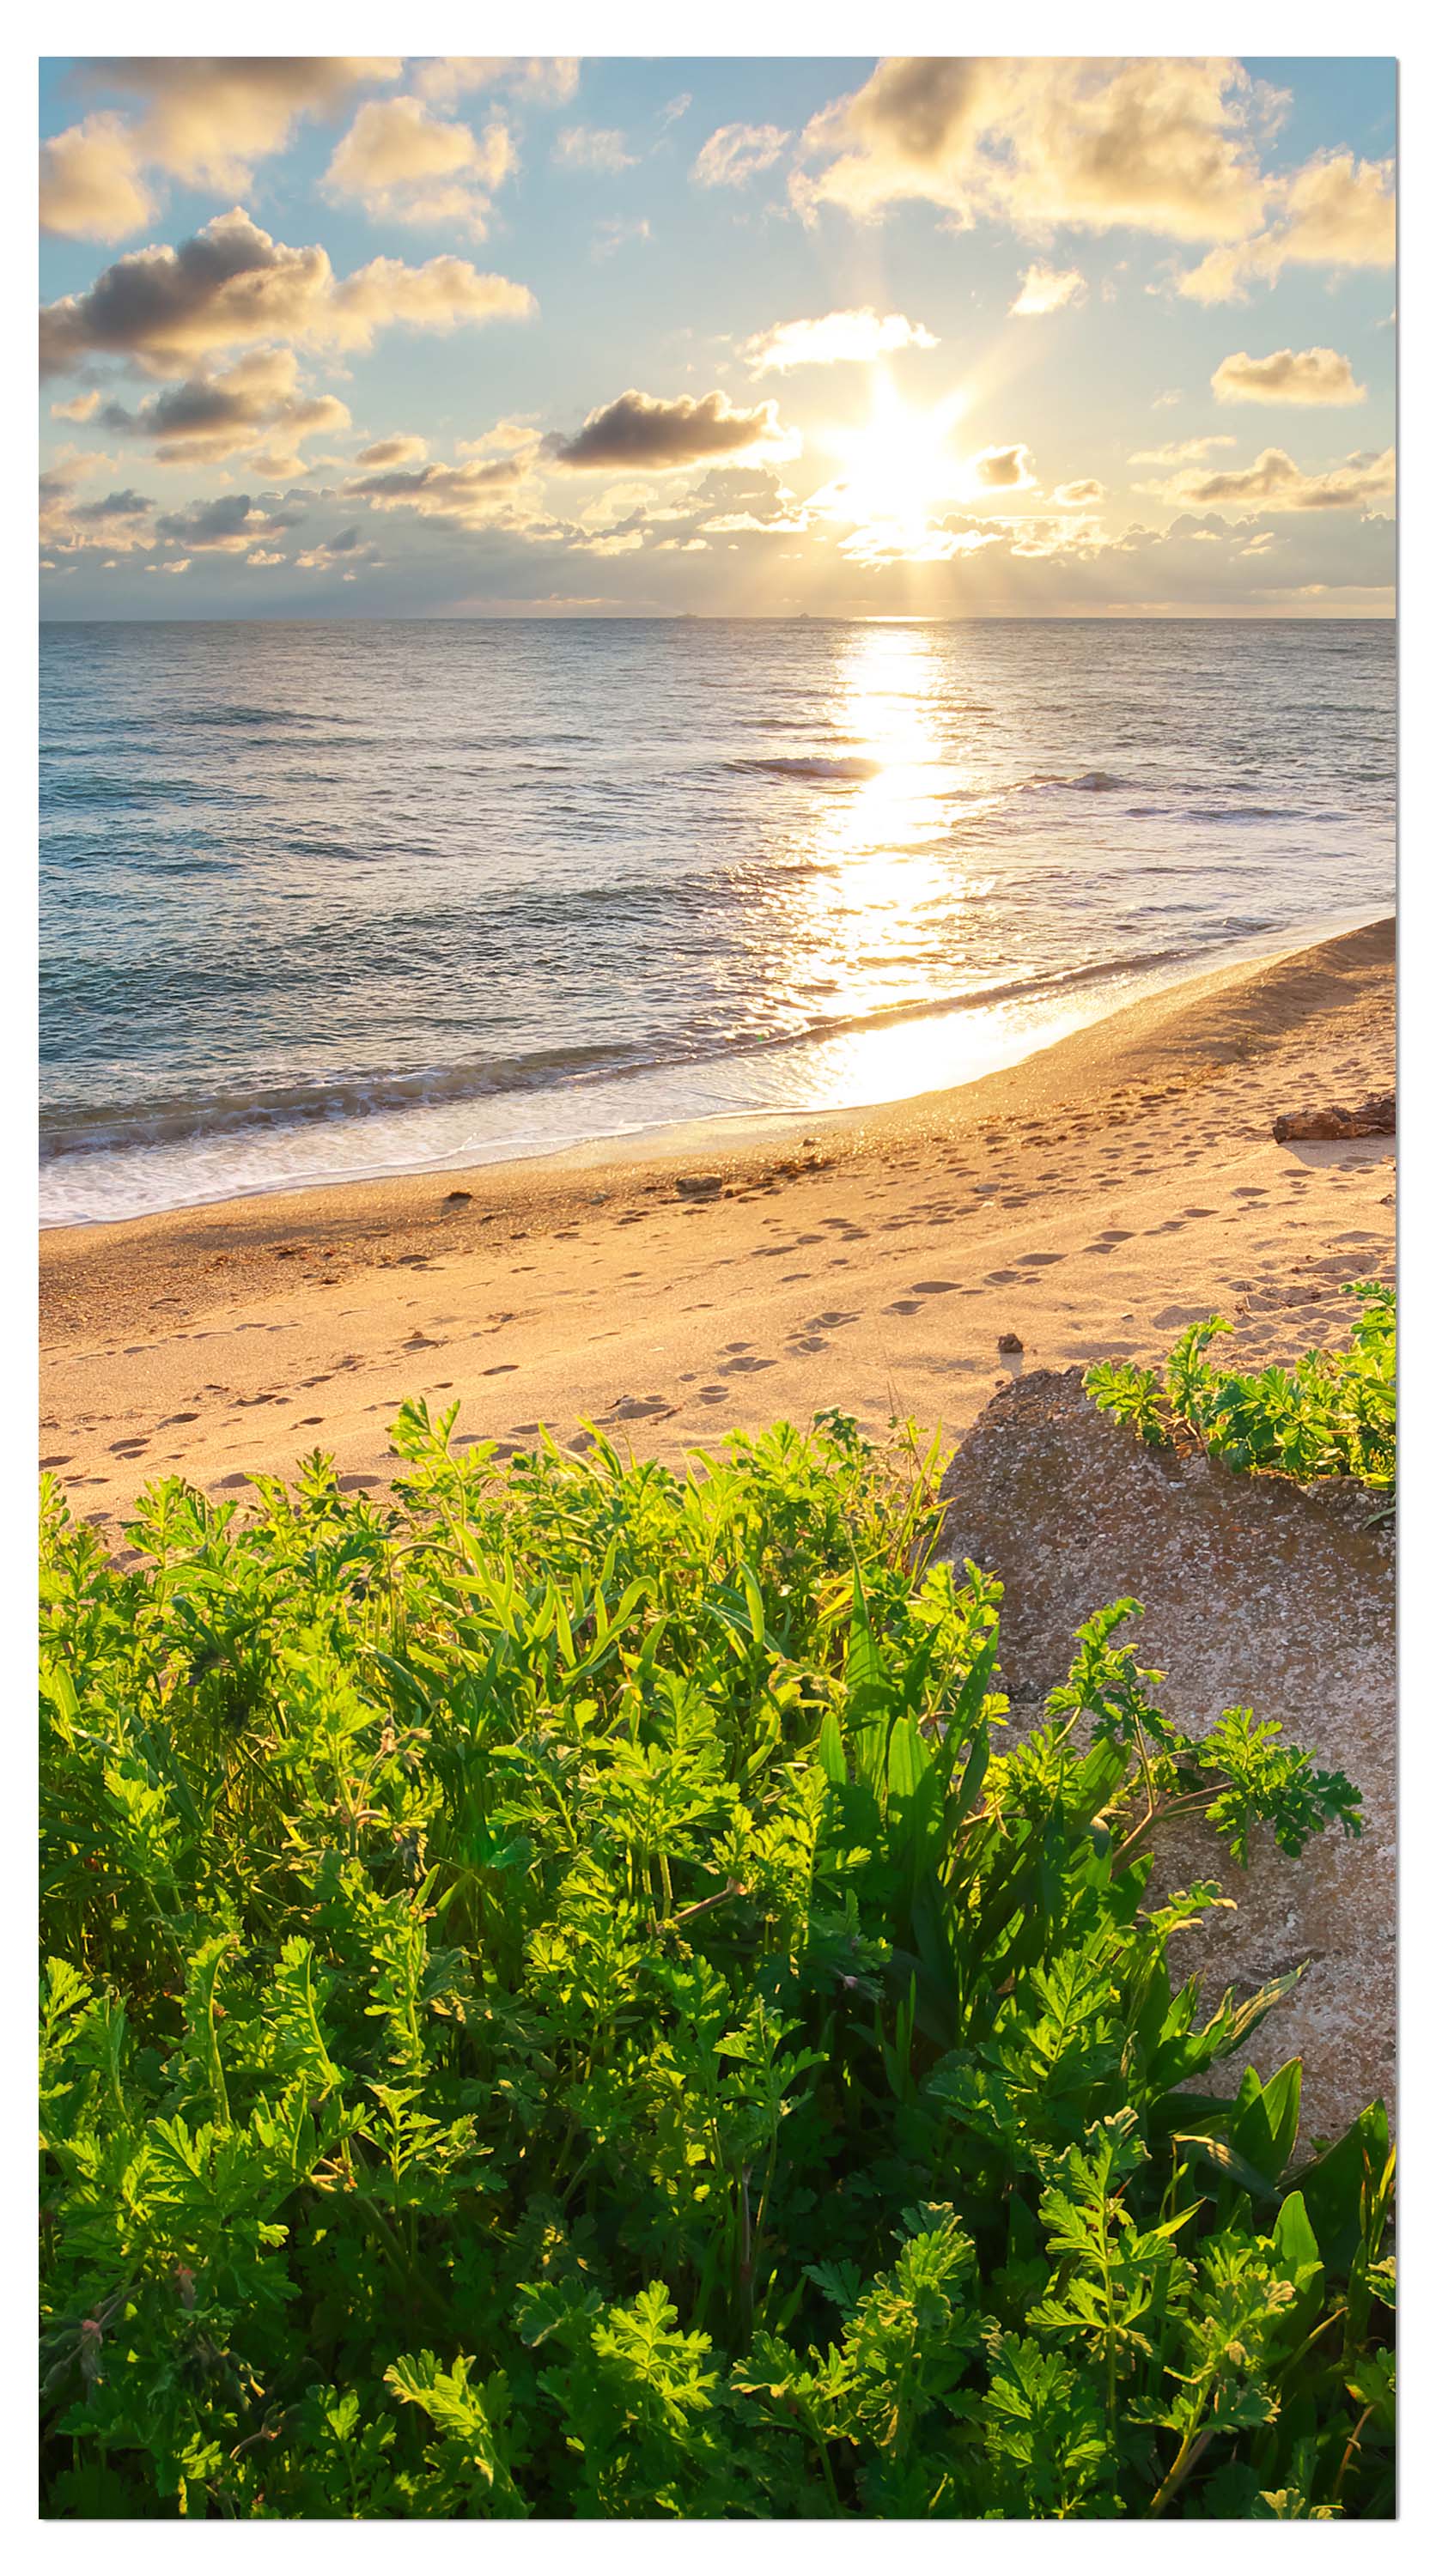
1257	1595
1376	1116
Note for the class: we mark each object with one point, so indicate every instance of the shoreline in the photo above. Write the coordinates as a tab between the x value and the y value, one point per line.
1085	1197
648	1135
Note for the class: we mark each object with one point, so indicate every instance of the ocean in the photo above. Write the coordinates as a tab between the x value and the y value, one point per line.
327	900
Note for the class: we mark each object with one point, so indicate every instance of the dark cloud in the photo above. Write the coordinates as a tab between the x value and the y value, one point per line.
209	417
115	505
470	493
232	520
231	284
641	433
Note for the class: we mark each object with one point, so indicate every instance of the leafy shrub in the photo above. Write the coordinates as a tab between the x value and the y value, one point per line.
562	1999
1334	1414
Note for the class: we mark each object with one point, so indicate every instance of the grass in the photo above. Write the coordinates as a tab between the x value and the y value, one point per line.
564	1996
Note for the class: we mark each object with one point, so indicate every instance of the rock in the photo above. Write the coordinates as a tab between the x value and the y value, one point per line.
1008	1342
1257	1595
699	1185
1376	1116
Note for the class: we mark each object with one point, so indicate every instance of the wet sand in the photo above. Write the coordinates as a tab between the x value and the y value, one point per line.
1090	1201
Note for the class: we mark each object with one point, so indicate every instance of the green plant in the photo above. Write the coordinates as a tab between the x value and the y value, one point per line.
1334	1414
563	1998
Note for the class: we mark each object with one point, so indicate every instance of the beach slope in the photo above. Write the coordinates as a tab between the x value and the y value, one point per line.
1089	1202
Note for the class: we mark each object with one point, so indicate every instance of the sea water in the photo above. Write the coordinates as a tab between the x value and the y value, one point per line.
327	900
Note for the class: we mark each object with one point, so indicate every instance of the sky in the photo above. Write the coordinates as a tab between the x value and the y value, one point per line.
457	336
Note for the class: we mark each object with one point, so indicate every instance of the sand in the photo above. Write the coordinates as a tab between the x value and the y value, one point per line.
1090	1201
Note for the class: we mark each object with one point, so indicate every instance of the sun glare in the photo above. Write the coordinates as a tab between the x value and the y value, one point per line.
897	466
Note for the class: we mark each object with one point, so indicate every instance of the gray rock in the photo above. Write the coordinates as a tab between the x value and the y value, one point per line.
1259	1595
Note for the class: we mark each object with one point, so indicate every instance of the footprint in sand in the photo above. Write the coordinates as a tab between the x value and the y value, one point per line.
904	1306
357	1484
1040	1260
742	1367
55	1462
501	1368
1001	1278
809	1342
942	1287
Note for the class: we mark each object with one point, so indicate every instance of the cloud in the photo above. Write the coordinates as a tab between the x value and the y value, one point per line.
1003	469
675	108
549	80
400	450
1179	451
614	232
1276	482
1167	145
1287	376
82	407
1046	290
640	433
471	493
589	147
204	120
1077	496
402	163
231	285
91	185
336	553
205	418
736	154
1334	212
833	339
228	524
118	523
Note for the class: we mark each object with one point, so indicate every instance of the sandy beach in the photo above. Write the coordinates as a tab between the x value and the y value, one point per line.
1090	1201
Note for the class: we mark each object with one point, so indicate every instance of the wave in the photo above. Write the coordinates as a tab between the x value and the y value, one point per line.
813	765
260	1109
1090	782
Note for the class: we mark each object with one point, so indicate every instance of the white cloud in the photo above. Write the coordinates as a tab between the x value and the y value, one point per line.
1046	290
404	449
1334	212
548	80
1287	376
1079	496
591	147
404	164
1002	469
736	153
205	120
1276	482
832	339
615	232
1165	144
1179	451
91	182
83	407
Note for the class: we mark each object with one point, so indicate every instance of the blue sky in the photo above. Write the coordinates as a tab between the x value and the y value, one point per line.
440	336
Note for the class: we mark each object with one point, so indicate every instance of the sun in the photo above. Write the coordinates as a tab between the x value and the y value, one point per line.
896	466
